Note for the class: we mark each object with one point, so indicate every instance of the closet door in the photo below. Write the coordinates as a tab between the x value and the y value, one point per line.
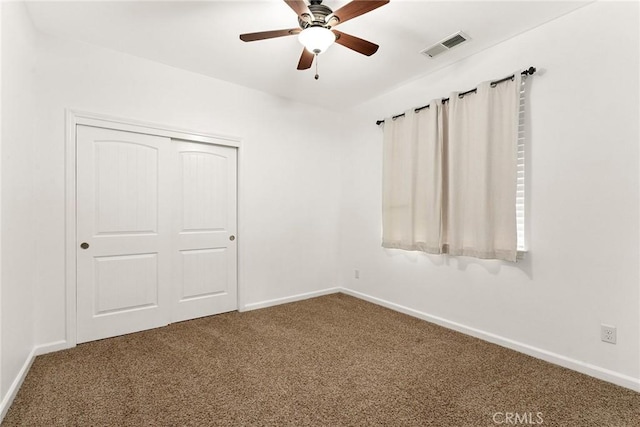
205	252
124	222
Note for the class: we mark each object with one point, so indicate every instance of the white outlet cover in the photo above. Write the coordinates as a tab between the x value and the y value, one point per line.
608	333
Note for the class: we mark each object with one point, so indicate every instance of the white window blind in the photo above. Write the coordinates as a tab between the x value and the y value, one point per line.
520	188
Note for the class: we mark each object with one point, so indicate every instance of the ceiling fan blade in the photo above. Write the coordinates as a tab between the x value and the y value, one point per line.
306	59
299	7
250	37
356	8
355	43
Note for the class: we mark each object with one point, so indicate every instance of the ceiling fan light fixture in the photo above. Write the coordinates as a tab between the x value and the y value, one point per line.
316	39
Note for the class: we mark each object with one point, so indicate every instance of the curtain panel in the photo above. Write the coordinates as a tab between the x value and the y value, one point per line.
450	175
412	183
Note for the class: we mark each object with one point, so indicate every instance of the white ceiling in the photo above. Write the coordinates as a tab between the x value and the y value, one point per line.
202	36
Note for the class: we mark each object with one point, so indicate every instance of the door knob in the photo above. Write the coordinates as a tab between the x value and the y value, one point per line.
84	245
232	237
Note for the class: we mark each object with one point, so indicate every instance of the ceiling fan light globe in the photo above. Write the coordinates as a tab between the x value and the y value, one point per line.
316	39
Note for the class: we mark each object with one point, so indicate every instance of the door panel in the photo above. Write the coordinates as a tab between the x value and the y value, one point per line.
125	282
204	273
126	187
205	256
204	178
124	214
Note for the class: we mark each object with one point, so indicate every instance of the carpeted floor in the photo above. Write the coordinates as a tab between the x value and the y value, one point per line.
330	361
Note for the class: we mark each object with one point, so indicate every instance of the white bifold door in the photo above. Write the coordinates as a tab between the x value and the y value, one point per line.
156	225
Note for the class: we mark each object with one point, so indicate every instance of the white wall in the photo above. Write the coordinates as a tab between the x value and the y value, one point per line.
583	265
289	185
18	244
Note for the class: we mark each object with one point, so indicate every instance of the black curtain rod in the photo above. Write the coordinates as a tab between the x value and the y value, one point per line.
529	71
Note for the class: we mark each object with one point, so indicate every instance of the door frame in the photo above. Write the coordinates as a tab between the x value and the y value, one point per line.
75	118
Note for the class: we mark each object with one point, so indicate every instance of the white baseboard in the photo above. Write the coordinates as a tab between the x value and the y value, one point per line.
22	374
548	356
51	347
15	385
293	298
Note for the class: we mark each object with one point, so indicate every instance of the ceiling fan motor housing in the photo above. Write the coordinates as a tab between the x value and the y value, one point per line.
319	11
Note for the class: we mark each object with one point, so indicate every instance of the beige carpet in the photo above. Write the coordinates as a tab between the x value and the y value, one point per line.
329	361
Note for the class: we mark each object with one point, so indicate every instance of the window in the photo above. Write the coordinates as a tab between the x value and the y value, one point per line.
453	174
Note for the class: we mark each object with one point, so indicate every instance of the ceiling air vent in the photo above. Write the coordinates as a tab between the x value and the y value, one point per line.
446	44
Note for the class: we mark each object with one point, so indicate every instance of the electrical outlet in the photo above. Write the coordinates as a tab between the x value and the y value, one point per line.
608	333
356	274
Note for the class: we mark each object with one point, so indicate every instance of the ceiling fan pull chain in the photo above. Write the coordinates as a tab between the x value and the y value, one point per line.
317	76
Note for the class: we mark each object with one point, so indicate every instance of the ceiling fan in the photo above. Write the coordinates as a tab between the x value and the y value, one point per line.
316	33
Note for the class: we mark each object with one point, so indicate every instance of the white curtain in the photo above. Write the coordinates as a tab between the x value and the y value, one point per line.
481	172
450	175
412	178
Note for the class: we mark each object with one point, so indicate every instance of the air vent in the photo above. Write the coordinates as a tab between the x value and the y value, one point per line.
446	44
